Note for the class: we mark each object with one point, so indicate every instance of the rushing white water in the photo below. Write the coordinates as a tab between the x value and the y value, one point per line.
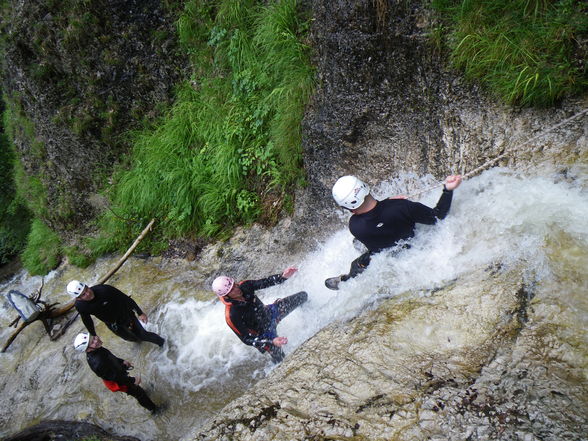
498	217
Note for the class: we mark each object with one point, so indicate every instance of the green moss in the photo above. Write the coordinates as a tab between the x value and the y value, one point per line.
14	216
29	186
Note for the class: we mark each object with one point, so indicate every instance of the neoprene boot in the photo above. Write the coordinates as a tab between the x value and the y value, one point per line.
333	283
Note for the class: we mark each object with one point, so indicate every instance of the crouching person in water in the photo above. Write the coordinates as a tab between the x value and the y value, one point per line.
112	370
253	322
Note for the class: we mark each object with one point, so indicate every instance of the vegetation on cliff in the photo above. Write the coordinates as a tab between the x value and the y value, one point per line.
14	216
528	52
77	75
229	150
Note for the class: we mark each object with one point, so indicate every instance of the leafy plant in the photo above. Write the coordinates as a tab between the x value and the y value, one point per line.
526	51
78	257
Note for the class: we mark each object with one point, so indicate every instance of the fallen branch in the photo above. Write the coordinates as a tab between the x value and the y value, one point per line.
50	312
14	334
128	253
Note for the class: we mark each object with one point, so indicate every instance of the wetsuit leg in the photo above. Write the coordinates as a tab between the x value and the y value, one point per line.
358	266
289	304
276	353
122	331
141	396
142	334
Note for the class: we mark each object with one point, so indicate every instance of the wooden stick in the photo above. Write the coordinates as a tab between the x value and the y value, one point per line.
128	253
14	334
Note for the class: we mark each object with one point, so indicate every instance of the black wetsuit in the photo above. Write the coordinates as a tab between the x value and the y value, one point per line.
255	323
112	369
389	222
117	311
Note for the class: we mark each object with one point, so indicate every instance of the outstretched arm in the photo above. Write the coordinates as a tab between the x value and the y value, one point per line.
425	215
272	280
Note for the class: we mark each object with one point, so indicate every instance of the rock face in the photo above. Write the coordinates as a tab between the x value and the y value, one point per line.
387	102
454	364
77	76
72	431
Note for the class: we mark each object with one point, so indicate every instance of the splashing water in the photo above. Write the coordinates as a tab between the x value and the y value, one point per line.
497	218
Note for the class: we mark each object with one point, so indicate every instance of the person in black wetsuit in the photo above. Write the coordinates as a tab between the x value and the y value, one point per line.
112	370
382	224
114	308
253	322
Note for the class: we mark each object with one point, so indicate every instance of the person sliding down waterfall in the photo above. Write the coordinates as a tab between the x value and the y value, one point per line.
253	322
113	370
382	224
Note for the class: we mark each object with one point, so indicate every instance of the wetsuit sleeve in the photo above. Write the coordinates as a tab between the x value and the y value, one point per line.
133	305
235	322
424	215
88	323
242	331
276	279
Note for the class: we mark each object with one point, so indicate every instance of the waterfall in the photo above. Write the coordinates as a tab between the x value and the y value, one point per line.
497	218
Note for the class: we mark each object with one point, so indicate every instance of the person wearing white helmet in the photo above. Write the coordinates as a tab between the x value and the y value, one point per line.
253	322
383	224
116	309
112	370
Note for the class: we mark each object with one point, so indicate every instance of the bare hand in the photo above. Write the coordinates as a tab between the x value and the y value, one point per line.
452	182
143	318
138	380
280	341
289	272
127	364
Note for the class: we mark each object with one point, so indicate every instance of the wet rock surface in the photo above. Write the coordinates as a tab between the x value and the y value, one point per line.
66	430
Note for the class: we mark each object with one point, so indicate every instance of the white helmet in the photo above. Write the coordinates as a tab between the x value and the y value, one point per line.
350	192
75	288
82	341
222	285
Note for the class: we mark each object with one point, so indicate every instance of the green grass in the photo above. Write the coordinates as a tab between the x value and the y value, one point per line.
43	249
14	216
231	144
527	52
78	257
28	185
